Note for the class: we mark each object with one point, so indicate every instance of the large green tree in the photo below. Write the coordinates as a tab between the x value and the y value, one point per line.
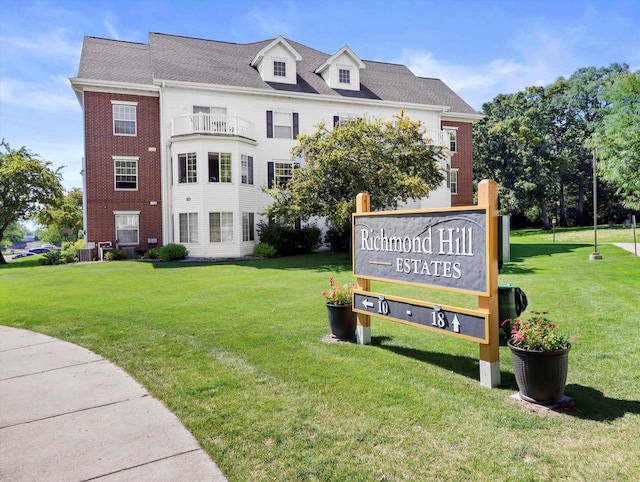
13	234
533	144
27	185
619	137
65	213
390	160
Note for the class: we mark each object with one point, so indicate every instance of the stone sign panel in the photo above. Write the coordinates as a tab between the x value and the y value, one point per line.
446	249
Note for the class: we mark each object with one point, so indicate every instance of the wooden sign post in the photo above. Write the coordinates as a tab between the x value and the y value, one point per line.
453	249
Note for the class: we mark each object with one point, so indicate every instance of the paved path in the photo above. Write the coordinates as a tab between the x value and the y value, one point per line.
629	247
68	414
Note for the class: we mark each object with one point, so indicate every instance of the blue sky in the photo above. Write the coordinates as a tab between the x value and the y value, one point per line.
479	48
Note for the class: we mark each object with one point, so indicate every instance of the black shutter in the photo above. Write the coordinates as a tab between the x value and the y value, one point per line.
296	129
270	124
336	119
270	174
250	170
251	230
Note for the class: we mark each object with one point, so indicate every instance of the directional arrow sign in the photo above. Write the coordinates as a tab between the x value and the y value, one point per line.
367	304
460	322
456	324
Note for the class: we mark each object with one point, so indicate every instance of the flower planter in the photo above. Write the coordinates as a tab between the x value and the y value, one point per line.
342	321
541	375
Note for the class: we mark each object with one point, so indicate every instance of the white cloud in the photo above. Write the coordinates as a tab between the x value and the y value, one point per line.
281	21
110	28
48	96
538	58
52	45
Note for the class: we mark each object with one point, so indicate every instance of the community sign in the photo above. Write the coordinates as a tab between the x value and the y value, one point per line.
446	249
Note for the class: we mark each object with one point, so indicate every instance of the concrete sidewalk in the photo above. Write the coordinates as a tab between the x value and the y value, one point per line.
69	414
632	248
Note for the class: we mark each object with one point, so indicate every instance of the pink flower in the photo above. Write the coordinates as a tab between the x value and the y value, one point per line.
324	293
518	336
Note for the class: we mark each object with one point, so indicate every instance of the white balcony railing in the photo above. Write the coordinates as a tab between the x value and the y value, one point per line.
202	123
438	138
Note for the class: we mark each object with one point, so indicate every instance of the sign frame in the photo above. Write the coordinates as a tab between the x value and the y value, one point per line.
488	279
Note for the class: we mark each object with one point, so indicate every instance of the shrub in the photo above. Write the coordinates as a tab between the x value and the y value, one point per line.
51	258
152	253
339	241
264	250
70	250
287	240
173	252
115	255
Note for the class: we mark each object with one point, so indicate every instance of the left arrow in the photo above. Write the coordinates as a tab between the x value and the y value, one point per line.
367	304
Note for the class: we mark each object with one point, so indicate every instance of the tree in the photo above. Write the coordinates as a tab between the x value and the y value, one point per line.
13	234
65	213
533	144
27	185
392	161
619	136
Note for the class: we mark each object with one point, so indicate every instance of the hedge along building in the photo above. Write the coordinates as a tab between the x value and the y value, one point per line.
182	134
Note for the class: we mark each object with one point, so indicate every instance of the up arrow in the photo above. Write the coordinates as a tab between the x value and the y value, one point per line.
456	324
367	304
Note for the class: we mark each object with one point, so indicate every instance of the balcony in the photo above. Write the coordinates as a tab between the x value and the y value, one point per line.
211	124
438	138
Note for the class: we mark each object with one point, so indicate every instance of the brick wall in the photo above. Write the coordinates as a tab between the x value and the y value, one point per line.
101	144
463	161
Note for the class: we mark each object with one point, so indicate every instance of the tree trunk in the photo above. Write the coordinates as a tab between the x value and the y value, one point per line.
563	207
2	260
580	209
543	212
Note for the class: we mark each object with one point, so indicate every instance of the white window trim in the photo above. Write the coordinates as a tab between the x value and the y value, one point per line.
127	213
125	158
290	125
273	65
113	119
232	227
348	69
197	226
452	131
454	170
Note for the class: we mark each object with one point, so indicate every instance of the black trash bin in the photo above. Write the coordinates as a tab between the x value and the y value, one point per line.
511	302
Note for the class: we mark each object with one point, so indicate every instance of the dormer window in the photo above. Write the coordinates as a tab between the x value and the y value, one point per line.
344	76
277	62
279	68
341	71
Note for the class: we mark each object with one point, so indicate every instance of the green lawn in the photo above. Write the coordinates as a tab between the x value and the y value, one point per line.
235	350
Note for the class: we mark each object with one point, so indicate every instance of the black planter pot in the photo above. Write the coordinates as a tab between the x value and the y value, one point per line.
342	321
541	375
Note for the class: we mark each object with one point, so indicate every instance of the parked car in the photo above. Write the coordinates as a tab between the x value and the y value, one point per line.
39	250
23	255
50	247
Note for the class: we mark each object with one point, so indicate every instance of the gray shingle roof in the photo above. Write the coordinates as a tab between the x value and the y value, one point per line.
171	57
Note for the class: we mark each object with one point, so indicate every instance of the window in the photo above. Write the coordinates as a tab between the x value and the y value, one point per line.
127	226
344	76
247	169
454	181
279	68
187	168
453	140
283	171
247	227
126	173
220	227
124	118
219	167
188	227
283	125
